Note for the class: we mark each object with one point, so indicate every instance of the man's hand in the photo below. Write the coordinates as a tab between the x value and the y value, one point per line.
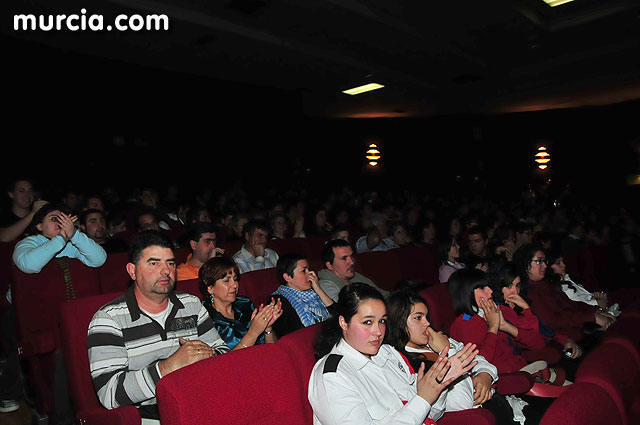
189	352
37	205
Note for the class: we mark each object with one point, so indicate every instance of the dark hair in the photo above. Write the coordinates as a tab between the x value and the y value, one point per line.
252	225
199	228
214	269
145	211
144	240
473	230
502	274
461	285
349	300
12	184
117	217
522	259
193	215
399	305
336	230
85	215
327	251
287	264
443	248
39	216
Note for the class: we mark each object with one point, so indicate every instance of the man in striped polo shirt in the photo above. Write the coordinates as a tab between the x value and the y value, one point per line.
149	331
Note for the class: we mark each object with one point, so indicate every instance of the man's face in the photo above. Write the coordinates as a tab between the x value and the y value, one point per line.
477	244
155	272
525	237
22	194
400	236
149	198
205	248
95	226
259	237
147	222
343	263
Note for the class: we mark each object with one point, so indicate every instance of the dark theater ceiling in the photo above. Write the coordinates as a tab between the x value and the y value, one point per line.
434	57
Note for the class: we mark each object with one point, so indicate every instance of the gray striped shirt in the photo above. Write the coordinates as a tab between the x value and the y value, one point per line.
125	346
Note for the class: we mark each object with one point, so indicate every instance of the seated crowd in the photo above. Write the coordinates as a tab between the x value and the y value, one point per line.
379	360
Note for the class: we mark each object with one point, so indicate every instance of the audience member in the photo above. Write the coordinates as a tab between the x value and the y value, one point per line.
340	232
359	379
409	332
479	255
53	234
116	223
15	220
148	332
303	301
377	237
449	254
254	254
146	219
278	226
237	320
202	240
93	224
94	202
340	271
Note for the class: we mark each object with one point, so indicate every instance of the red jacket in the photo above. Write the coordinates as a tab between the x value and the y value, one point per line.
528	324
557	311
494	348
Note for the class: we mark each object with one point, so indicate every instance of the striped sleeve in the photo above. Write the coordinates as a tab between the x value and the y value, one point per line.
115	384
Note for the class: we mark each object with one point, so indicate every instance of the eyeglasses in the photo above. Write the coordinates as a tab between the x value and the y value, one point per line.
54	218
539	261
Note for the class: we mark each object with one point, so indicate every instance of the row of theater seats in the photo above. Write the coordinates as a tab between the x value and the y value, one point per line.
37	297
267	384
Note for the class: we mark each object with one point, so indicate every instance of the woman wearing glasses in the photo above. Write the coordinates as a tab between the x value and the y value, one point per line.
53	234
550	304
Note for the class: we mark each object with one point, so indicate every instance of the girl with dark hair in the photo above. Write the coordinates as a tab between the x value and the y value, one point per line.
550	304
557	275
304	303
449	254
53	234
360	380
480	321
525	329
409	332
238	322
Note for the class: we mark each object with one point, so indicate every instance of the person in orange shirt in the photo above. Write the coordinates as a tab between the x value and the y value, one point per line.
202	239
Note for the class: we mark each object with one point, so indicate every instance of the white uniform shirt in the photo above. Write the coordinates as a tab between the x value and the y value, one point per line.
459	395
348	388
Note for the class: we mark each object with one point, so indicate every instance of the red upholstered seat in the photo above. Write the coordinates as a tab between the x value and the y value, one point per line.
258	285
74	322
614	366
290	246
191	286
257	385
441	314
231	247
113	273
383	267
36	302
418	263
299	346
583	403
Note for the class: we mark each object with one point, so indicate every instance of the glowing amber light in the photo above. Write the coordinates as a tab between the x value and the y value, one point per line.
373	155
542	157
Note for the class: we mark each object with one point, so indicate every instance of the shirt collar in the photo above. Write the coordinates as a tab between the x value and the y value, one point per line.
359	360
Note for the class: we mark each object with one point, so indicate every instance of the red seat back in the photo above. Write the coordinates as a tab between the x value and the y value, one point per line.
36	301
441	313
418	263
258	285
583	403
113	273
382	267
75	316
191	286
257	385
614	366
299	346
290	246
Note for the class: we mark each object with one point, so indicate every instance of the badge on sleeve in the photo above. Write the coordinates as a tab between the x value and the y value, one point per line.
400	366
